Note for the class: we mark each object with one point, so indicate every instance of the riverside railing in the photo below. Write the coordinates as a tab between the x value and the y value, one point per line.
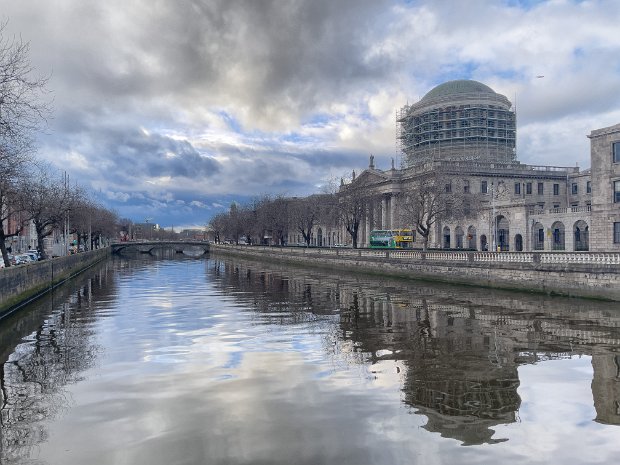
582	258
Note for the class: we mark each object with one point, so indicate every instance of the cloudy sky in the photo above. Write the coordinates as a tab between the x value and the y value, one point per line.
171	110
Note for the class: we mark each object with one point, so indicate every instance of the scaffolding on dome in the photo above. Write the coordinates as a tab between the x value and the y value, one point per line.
481	129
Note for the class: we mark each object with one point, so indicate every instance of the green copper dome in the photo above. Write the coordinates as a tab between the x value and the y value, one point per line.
461	86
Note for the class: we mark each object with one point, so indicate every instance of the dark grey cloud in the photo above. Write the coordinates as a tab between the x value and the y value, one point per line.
270	57
136	153
127	157
158	101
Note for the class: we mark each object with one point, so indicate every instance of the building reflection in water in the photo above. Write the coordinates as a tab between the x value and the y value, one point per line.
457	349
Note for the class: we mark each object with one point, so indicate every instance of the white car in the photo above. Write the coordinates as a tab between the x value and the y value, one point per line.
33	256
23	258
35	252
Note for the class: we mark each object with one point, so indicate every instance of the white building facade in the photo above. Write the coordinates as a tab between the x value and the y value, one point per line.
464	131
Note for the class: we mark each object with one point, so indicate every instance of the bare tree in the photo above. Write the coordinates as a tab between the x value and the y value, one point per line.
250	222
350	207
305	213
103	225
47	200
218	226
89	221
234	225
80	220
10	213
273	216
433	198
23	111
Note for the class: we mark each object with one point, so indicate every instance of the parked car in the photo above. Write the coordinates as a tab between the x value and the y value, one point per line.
28	258
35	252
22	259
33	256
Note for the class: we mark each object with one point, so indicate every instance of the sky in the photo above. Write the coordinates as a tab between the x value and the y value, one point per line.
169	111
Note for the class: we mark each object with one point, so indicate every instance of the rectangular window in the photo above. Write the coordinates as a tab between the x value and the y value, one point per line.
528	188
616	233
448	188
483	187
574	188
556	189
541	188
517	188
589	187
616	191
556	205
541	235
616	150
466	187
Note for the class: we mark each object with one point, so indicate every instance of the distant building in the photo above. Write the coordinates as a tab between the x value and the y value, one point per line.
144	230
193	234
464	131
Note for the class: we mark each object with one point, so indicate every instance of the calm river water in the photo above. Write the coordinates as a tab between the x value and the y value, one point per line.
217	361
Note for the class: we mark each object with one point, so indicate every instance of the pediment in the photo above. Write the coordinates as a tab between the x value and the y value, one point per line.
369	177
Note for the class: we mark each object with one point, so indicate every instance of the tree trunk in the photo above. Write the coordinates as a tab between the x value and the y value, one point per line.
39	231
425	246
5	254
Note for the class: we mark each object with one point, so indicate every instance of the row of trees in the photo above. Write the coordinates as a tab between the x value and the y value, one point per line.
271	216
422	203
47	201
30	192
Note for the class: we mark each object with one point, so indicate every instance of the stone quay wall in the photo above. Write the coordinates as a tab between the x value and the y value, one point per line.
579	274
22	284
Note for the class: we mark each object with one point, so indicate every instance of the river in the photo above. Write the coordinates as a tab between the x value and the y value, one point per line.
168	360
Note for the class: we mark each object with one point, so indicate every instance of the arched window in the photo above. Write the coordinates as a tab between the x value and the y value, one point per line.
557	232
459	234
519	243
581	236
471	238
446	237
538	237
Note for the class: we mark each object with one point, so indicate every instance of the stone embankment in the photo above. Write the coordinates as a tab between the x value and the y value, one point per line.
22	284
580	274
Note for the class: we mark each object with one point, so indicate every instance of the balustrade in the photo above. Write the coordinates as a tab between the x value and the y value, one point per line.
586	258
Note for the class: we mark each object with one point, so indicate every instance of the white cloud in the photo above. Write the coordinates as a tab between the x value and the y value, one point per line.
277	98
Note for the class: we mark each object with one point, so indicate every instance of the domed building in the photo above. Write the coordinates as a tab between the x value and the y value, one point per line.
460	138
458	120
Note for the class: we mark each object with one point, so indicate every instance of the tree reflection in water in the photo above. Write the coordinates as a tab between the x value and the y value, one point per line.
459	348
44	349
456	351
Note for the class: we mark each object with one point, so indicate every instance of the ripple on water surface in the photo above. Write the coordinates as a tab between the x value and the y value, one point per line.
185	361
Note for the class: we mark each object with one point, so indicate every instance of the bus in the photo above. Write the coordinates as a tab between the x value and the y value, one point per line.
392	239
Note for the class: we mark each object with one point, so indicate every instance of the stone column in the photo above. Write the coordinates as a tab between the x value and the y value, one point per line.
384	213
569	236
394	222
367	226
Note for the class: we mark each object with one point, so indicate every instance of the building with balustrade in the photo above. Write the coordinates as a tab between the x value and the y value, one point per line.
464	132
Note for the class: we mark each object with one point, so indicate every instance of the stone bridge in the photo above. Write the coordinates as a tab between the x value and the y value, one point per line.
191	248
